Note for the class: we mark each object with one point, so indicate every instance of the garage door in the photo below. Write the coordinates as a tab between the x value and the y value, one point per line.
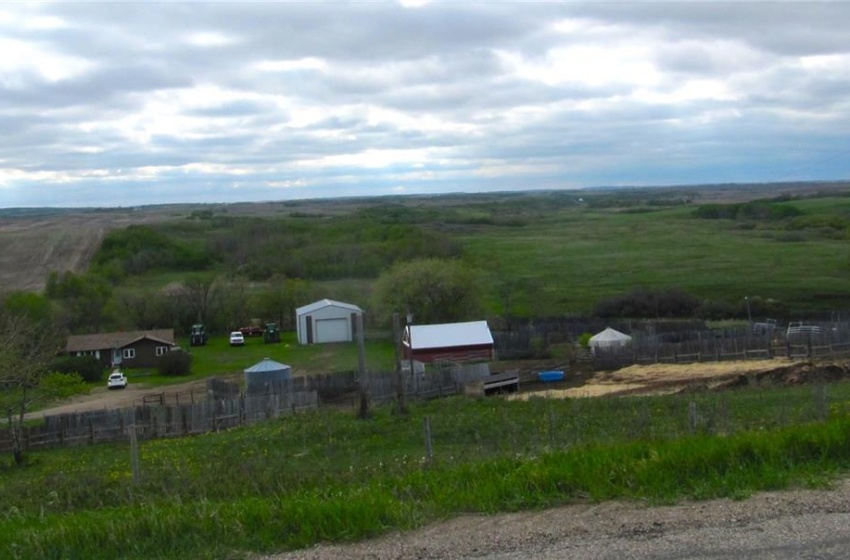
332	330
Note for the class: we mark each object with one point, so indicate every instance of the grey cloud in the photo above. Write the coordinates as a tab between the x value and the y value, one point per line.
436	64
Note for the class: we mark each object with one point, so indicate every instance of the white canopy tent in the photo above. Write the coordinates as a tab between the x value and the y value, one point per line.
609	339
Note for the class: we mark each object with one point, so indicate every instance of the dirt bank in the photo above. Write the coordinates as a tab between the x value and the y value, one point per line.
657	379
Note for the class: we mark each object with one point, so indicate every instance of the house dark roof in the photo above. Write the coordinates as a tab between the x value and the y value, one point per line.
108	341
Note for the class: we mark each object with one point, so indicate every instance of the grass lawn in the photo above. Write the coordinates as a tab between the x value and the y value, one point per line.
219	358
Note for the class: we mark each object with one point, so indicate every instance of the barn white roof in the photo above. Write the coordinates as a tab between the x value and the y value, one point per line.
449	335
316	305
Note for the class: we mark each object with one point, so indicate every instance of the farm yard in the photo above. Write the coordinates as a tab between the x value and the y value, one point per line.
656	379
700	404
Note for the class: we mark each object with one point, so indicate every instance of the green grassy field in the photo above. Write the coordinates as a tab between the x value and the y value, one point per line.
219	357
325	476
576	257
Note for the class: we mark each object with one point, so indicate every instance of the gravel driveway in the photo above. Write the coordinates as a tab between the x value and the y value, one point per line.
790	524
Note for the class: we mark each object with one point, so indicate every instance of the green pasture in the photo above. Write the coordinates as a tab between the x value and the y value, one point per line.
569	261
325	476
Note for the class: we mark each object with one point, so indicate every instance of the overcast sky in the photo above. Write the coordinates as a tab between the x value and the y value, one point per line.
128	103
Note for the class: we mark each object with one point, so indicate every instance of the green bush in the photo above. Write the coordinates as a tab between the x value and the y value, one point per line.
87	367
175	363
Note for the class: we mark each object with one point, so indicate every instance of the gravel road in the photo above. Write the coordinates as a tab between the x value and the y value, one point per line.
790	524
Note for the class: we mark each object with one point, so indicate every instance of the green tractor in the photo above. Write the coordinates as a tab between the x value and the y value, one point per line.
271	334
198	335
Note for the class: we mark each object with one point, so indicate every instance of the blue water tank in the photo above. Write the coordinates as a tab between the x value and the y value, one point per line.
550	376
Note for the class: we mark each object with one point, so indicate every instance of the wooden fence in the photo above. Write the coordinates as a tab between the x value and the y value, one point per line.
743	348
87	428
223	406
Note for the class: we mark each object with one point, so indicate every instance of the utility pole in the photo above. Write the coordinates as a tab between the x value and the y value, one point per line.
363	413
399	380
410	349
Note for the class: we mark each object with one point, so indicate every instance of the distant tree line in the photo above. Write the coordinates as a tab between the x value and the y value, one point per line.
674	303
755	210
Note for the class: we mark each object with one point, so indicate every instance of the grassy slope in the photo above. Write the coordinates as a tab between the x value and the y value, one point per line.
577	257
326	476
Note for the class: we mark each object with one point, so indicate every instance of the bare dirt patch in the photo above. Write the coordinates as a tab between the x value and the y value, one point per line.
658	379
102	398
32	247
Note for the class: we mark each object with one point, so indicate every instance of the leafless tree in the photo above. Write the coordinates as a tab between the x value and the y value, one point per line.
27	348
200	291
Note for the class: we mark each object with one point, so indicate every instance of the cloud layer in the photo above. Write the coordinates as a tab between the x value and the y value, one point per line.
126	103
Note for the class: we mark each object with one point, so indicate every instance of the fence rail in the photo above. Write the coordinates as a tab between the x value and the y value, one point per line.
149	422
223	405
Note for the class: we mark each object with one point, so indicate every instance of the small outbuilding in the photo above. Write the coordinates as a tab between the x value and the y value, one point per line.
609	339
448	341
267	376
327	321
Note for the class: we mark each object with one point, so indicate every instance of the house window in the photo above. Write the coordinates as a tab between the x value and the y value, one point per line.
161	350
129	353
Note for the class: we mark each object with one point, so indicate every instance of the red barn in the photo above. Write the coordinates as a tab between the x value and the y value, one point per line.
449	341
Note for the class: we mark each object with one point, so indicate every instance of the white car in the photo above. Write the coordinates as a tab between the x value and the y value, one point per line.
237	339
116	380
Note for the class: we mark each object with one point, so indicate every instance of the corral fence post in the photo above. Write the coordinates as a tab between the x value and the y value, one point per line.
692	416
134	448
429	450
821	404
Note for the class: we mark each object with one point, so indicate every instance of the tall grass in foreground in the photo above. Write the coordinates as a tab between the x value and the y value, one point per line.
327	477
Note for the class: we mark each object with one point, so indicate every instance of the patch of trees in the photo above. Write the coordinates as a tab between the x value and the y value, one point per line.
88	368
433	290
755	210
324	249
83	300
139	249
28	344
832	226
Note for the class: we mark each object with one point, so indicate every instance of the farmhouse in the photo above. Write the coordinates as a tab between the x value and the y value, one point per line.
327	321
128	349
448	341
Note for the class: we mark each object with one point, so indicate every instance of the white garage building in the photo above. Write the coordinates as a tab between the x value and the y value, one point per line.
327	321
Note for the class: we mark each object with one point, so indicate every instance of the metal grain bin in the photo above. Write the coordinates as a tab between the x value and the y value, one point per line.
267	376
